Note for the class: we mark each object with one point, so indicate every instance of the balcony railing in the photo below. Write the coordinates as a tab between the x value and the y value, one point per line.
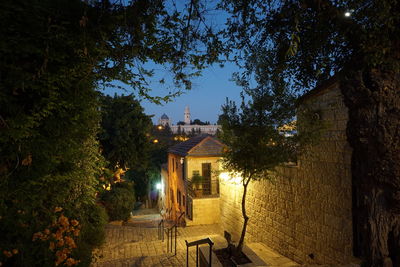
206	188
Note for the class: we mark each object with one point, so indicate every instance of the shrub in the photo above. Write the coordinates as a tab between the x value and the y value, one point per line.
92	233
119	201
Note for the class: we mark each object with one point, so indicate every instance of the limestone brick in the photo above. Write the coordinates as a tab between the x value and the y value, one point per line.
305	211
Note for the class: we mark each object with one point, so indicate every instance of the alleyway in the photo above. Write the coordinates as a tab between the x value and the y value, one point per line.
136	244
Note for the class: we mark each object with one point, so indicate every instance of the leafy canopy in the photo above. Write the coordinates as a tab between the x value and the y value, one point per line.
124	136
305	42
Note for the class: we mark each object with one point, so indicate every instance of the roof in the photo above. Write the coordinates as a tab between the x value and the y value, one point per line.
164	117
200	145
320	88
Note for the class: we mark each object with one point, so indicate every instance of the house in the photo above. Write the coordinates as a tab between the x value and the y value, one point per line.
192	184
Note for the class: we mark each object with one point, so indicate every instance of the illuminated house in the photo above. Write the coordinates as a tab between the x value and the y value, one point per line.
192	184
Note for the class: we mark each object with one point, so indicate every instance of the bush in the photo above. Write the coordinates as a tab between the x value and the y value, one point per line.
119	201
92	233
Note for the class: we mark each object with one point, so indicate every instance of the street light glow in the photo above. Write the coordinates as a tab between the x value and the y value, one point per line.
347	14
158	186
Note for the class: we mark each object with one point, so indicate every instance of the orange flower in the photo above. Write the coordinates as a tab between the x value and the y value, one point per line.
57	209
76	232
58	234
52	246
60	243
63	220
74	222
15	251
71	262
47	231
70	242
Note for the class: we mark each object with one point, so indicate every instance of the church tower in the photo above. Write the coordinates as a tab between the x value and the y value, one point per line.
187	115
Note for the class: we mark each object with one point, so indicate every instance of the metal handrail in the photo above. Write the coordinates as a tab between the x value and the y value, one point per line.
197	243
178	221
208	188
161	230
169	232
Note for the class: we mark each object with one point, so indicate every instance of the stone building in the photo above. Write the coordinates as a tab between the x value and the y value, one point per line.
188	127
164	120
305	212
192	184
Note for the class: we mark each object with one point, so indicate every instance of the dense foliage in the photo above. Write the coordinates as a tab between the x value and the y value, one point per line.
119	201
53	56
124	132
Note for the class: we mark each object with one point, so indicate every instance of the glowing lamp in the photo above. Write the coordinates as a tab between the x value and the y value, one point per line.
158	186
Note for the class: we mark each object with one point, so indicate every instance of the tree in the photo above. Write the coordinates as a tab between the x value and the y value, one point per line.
124	136
180	123
254	144
306	42
55	55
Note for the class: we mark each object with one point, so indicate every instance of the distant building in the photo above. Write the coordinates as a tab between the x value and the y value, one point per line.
187	116
164	120
187	128
191	180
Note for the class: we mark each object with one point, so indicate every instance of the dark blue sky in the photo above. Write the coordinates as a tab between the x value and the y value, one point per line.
208	92
204	100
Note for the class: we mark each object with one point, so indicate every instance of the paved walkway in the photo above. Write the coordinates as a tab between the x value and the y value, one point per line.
136	244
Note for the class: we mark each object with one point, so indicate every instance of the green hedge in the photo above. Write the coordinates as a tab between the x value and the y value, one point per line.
119	201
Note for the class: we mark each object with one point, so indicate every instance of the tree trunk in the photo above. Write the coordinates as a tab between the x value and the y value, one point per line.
245	217
373	131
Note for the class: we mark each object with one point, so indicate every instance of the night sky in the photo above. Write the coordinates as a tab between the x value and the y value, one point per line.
204	100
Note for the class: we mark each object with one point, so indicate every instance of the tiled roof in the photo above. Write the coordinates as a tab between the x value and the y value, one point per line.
200	145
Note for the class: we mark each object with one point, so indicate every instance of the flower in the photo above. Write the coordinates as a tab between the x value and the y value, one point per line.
63	221
71	261
74	222
76	232
15	251
52	246
57	209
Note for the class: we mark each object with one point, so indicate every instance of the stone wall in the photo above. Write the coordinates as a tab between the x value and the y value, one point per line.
205	211
305	211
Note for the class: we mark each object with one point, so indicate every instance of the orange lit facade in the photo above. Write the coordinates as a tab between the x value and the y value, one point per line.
192	184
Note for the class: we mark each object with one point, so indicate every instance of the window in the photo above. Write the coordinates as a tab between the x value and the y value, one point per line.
173	164
183	200
196	173
176	165
206	171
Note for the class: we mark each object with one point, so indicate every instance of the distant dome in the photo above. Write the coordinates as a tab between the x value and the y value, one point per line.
164	117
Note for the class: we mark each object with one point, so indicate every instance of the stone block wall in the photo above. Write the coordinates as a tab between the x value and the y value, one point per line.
205	211
304	212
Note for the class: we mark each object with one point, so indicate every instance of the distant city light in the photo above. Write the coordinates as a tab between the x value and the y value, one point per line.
348	13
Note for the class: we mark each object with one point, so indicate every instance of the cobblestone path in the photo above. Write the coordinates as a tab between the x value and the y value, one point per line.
136	244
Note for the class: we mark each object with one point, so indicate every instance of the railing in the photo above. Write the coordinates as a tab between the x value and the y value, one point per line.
197	243
161	230
180	219
204	189
172	232
170	239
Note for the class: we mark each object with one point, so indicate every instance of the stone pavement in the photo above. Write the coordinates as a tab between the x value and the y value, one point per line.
135	243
